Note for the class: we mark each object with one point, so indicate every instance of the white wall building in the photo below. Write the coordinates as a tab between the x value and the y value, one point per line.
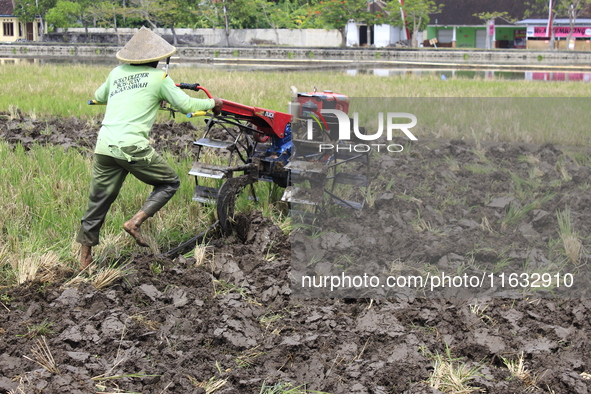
378	36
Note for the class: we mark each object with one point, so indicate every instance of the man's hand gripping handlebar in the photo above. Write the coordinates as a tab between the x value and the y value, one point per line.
217	109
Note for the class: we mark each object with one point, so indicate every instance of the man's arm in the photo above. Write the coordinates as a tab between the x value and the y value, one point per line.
102	93
181	101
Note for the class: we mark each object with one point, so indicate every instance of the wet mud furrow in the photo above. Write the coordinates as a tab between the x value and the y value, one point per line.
233	319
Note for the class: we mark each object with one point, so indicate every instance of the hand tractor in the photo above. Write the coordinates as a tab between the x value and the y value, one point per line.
246	144
298	151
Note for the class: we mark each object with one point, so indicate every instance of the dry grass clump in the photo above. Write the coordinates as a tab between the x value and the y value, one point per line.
202	254
563	170
530	159
40	268
42	356
248	357
210	386
101	279
573	246
107	276
221	287
452	378
479	311
451	375
144	321
486	226
518	369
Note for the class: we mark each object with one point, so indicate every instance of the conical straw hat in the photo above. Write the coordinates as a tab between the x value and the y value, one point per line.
145	47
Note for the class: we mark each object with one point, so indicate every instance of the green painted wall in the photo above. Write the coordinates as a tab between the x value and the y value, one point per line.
431	32
506	33
465	37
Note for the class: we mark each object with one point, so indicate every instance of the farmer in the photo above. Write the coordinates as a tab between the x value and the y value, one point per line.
133	93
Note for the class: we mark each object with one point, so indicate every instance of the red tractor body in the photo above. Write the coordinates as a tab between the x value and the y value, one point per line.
317	101
267	121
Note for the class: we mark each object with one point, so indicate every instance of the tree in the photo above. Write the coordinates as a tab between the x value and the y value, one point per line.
490	17
146	10
65	14
416	15
106	13
540	7
250	14
28	10
84	17
304	17
572	9
536	8
337	13
171	13
296	14
487	16
274	15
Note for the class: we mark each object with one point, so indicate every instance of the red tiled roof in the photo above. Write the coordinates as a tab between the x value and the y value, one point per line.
6	7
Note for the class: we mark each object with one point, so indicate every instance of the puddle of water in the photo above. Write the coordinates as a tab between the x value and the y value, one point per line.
443	73
478	74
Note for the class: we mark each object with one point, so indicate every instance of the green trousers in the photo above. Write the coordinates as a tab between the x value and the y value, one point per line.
108	175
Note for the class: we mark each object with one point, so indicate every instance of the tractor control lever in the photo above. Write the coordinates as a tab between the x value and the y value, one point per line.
198	113
194	86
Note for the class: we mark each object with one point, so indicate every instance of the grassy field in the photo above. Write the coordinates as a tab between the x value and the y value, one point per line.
64	90
45	189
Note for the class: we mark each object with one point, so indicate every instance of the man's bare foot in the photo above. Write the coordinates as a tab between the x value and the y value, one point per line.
132	226
85	256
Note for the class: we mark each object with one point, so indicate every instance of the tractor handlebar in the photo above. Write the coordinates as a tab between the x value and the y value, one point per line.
195	87
188	86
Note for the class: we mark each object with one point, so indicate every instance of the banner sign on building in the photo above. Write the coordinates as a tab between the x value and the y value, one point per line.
520	39
491	28
559	31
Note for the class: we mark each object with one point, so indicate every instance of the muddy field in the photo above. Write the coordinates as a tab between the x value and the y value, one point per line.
234	321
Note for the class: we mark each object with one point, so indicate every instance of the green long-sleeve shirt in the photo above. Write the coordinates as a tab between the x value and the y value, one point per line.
133	95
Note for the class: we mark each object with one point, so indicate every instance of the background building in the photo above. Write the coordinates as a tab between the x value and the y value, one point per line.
537	36
379	36
458	27
11	29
